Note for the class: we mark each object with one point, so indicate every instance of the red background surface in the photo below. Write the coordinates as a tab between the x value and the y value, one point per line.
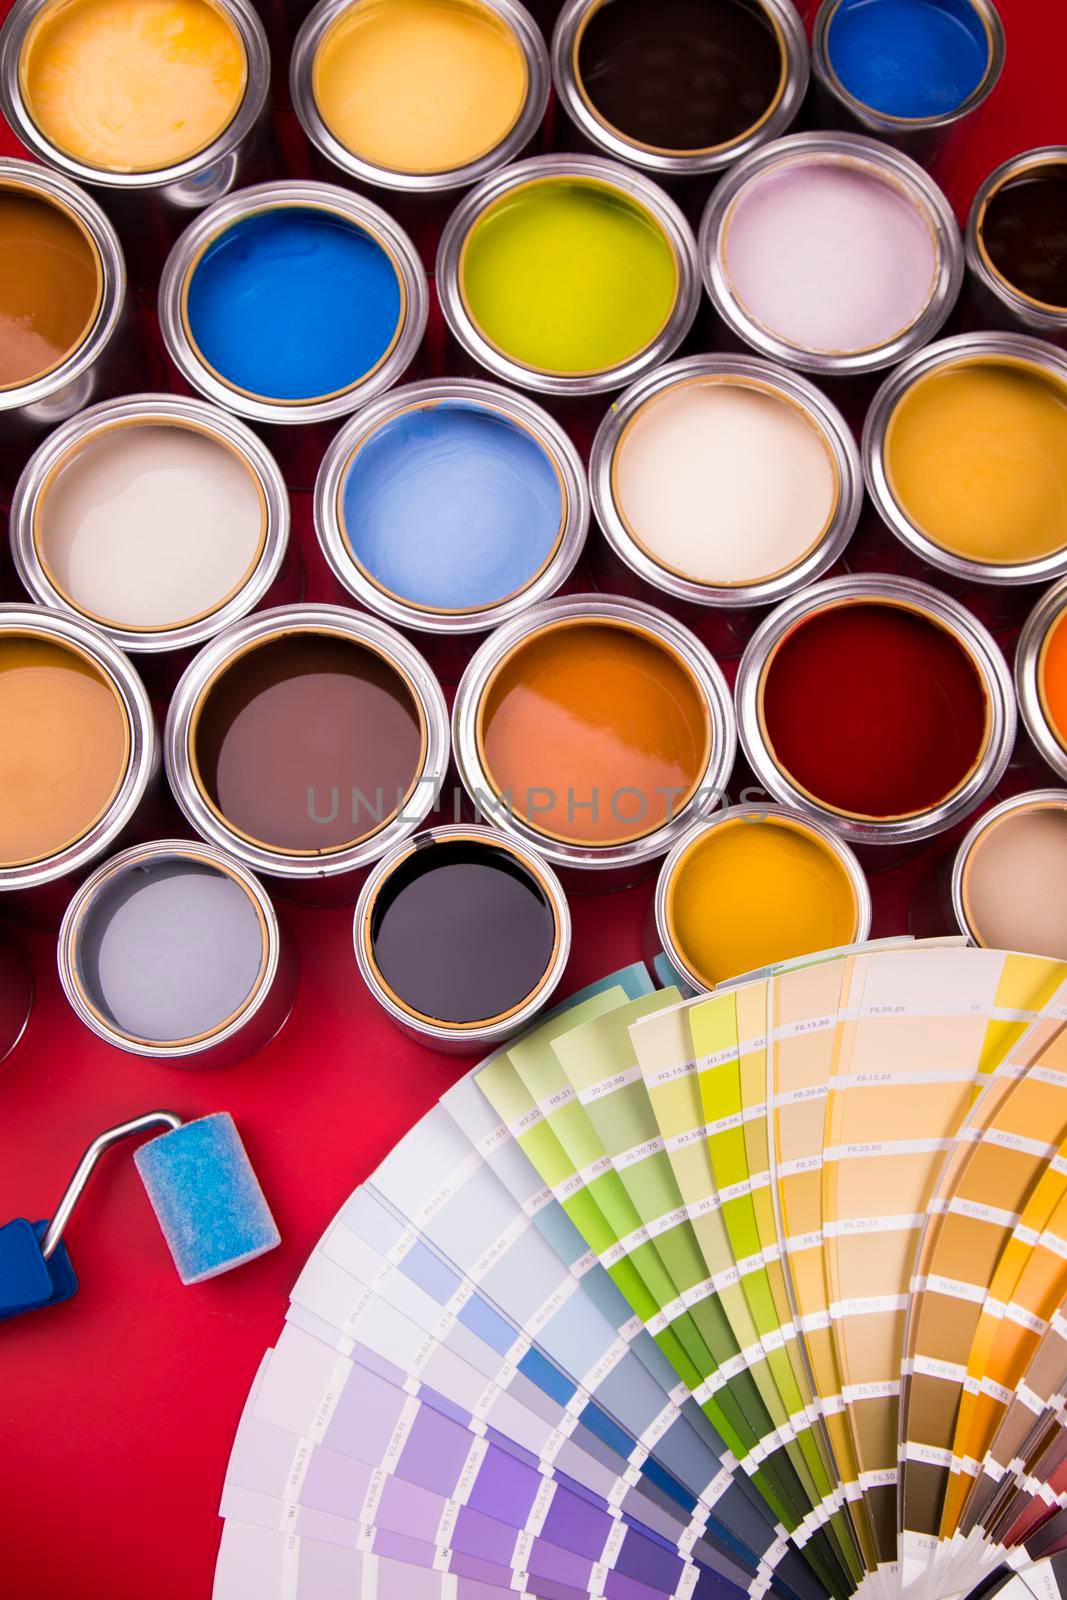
117	1410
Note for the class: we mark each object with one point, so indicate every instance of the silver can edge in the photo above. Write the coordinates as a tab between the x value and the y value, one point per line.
980	646
149	408
362	629
515	407
462	1038
831	425
705	671
639	188
233	208
899	169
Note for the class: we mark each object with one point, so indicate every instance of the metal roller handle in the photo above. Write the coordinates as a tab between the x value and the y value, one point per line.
103	1141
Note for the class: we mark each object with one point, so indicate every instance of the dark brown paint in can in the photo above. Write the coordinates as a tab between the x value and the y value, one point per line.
1023	232
681	75
307	742
462	931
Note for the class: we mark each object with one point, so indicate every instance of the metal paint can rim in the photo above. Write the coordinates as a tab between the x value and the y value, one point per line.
461	1035
361	629
54	186
759	373
152	409
1040	318
971	637
681	643
302	95
61	627
639	189
1036	629
295	193
883	123
246	22
826	835
775	121
947	353
514	407
182	1052
897	169
1038	798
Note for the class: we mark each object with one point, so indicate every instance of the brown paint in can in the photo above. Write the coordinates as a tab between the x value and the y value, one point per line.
51	284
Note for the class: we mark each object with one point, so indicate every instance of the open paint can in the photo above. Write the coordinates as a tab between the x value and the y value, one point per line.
78	753
62	304
964	449
172	950
831	252
682	88
1016	243
724	481
569	275
596	730
755	885
160	518
293	303
1041	677
911	75
307	741
154	128
420	99
877	705
449	506
462	935
1009	880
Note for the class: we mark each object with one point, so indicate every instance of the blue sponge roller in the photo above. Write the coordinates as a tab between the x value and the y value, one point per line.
207	1198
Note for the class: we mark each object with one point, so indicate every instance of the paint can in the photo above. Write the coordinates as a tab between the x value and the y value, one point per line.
259	311
832	253
307	741
398	130
173	951
911	76
596	730
753	886
962	450
449	506
78	757
568	275
877	705
1041	677
64	305
462	935
686	91
16	993
1016	244
1009	876
158	518
162	132
721	484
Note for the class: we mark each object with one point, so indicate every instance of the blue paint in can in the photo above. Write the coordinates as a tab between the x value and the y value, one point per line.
294	303
452	506
909	58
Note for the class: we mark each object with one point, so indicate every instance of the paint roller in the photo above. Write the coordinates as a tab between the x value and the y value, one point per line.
203	1190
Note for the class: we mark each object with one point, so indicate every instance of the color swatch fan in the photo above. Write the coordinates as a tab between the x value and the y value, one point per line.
764	1291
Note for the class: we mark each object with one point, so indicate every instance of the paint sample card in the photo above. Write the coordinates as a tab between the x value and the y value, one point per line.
1011	1135
759	1291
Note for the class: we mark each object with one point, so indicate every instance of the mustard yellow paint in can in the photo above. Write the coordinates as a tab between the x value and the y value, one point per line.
754	886
975	457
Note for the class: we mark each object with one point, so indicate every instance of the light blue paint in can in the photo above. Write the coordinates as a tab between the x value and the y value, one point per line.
452	506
